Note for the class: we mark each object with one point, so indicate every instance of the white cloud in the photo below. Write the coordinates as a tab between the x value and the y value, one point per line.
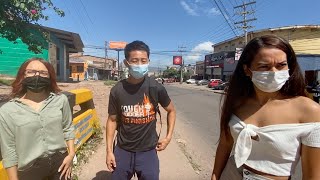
204	47
213	12
197	53
188	9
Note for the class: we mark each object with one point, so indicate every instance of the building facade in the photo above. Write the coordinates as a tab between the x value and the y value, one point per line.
105	68
59	45
305	40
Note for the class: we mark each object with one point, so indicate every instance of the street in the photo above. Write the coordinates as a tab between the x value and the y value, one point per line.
197	125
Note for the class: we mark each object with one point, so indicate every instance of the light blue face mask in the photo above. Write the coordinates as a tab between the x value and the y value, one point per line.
138	71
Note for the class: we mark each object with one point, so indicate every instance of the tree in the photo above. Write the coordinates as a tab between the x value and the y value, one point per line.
19	19
169	73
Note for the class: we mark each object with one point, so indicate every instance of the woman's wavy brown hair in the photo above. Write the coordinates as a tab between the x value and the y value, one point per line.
241	86
19	90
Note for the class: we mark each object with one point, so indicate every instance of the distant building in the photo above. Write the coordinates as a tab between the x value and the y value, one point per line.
105	68
305	40
200	69
60	44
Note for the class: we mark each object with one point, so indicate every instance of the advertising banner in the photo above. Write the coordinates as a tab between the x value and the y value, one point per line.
177	60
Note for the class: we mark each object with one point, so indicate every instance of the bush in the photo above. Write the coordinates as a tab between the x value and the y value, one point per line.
110	82
6	82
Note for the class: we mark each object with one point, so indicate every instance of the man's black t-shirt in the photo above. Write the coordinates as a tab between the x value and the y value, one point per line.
137	130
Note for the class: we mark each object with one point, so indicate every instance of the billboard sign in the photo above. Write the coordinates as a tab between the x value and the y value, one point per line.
117	45
238	54
177	60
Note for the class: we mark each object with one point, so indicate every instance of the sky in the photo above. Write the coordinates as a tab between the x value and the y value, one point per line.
167	26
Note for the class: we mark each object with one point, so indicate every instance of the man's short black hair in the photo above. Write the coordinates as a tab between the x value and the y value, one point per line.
136	46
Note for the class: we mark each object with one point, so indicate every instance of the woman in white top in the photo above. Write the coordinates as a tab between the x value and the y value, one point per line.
266	117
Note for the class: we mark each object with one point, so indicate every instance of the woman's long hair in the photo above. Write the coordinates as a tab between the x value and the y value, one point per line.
241	86
19	90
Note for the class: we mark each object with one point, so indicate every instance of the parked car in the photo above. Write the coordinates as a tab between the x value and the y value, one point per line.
170	80
221	86
214	82
202	82
191	81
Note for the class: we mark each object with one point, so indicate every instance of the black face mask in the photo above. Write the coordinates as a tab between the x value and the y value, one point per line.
36	84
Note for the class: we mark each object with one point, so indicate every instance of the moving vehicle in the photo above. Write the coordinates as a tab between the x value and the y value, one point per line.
221	86
202	82
214	82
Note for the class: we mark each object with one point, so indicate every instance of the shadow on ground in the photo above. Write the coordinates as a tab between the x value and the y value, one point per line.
102	175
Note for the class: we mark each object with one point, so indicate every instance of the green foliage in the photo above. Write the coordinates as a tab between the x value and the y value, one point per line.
17	17
170	73
87	149
110	82
6	82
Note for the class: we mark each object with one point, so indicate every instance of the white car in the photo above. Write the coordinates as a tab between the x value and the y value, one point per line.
191	81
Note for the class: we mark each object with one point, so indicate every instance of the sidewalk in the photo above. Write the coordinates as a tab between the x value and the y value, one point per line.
173	164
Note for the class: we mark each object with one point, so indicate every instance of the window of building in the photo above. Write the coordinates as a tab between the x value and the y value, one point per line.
58	53
80	69
58	68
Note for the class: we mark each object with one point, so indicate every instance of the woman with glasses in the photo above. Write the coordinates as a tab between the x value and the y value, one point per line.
36	131
267	122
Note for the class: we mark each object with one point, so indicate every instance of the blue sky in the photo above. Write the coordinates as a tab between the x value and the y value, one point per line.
166	25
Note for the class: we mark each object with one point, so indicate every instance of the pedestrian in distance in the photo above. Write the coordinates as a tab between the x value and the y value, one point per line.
36	131
133	106
267	117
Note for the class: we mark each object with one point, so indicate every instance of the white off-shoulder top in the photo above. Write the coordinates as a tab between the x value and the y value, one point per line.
276	149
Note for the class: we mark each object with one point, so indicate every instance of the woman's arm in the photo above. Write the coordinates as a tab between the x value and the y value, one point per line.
12	173
310	161
8	147
222	155
310	150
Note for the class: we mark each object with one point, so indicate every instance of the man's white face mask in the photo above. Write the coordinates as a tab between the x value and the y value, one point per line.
270	81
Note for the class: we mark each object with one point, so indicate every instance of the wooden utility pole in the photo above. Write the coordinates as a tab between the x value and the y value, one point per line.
244	13
181	50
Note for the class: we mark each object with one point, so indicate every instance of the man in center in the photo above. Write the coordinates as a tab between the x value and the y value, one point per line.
133	107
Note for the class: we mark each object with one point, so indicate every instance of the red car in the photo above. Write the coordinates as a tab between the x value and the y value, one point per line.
214	82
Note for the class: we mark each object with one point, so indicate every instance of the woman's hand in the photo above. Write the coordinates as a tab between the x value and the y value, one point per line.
66	167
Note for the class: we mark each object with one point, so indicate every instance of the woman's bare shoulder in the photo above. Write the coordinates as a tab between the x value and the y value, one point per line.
310	109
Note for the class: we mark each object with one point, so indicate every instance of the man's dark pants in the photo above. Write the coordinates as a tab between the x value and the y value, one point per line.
144	164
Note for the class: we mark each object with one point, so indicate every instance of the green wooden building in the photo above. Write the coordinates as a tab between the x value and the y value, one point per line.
61	43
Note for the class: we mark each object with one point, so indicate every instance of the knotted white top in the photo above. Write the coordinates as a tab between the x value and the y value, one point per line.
273	149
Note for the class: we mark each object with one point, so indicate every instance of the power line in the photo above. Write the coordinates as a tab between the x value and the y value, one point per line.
86	11
226	18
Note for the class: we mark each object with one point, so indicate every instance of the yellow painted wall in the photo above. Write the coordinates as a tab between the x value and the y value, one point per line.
75	73
303	40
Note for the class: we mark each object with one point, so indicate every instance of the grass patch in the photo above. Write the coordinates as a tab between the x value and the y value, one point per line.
6	81
110	82
86	150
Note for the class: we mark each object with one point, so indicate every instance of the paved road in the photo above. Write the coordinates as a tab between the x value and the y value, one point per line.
197	125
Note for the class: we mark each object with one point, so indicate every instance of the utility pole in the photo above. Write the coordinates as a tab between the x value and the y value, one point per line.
181	49
245	21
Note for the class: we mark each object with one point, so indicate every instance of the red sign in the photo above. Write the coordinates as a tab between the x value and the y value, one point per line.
177	60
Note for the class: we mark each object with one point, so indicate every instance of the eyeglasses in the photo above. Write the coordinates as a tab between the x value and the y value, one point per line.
137	60
31	72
